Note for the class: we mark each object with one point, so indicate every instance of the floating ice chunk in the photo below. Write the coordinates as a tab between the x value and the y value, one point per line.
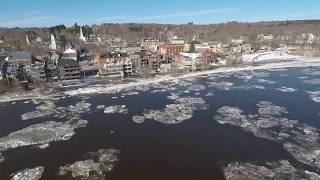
312	175
209	94
223	85
307	154
39	134
29	174
138	119
314	95
266	81
158	91
227	86
266	108
247	171
95	167
261	74
277	170
313	72
196	88
116	109
80	168
286	89
100	107
313	81
176	113
130	93
80	107
37	114
44	146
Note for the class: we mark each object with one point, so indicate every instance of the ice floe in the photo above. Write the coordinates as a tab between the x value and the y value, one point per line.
267	108
314	96
41	134
286	89
227	86
95	167
197	88
116	109
178	112
300	140
282	169
29	174
265	81
312	81
138	119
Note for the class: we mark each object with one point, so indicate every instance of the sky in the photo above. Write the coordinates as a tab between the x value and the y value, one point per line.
47	13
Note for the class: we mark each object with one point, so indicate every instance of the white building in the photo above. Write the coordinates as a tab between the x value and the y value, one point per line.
70	54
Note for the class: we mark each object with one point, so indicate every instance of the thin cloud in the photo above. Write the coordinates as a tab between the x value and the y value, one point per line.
184	14
110	18
32	21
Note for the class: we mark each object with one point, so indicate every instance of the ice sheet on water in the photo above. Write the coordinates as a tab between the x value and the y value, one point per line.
100	107
138	119
40	134
314	96
95	167
282	169
29	174
265	81
176	113
286	89
261	74
37	114
267	108
300	140
196	88
48	108
312	72
312	81
116	109
228	86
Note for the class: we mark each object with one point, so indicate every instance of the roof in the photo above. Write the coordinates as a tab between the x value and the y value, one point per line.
114	54
67	62
20	55
70	51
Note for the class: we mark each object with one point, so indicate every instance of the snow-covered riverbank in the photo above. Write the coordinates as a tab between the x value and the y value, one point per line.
106	88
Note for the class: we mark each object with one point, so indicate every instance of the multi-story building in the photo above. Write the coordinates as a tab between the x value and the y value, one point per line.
114	64
68	69
170	50
20	58
151	44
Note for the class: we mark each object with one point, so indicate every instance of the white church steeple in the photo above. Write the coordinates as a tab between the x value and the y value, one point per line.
53	45
82	38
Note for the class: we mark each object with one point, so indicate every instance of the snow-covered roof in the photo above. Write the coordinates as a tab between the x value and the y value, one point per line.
69	51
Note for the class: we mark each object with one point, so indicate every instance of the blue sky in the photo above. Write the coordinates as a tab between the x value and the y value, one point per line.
40	13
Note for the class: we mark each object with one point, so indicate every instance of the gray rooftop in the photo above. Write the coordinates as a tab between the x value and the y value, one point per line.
67	62
20	55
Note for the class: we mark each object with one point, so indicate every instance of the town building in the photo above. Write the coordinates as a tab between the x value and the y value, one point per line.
151	44
68	69
69	53
20	58
152	61
170	50
177	41
115	64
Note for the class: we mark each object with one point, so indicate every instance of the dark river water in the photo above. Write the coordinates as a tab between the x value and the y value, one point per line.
197	148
